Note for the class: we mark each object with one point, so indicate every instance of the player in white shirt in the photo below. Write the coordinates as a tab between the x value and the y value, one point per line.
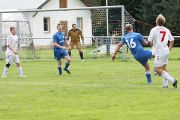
158	38
12	52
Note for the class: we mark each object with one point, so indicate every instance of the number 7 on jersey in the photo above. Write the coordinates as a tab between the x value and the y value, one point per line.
163	35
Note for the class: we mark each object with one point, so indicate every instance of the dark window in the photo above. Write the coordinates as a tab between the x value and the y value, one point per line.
63	3
46	22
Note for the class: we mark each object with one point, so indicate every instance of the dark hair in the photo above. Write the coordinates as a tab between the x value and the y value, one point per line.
73	24
58	24
11	28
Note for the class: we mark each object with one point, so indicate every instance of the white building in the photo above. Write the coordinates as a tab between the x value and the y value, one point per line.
43	24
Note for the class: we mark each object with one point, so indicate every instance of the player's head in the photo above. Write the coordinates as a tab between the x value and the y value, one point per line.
59	27
160	20
128	27
13	30
73	26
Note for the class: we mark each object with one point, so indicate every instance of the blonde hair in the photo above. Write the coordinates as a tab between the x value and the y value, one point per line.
128	27
160	20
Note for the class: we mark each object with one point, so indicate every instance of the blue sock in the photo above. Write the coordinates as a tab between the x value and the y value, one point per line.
66	66
148	76
60	70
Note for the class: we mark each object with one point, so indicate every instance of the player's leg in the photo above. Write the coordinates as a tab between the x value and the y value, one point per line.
78	45
6	68
160	61
148	73
57	55
8	63
165	81
17	61
68	60
71	47
59	66
143	59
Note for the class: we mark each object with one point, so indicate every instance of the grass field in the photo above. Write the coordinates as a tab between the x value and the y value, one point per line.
97	89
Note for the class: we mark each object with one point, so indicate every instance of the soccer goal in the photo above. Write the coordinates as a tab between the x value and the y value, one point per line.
102	26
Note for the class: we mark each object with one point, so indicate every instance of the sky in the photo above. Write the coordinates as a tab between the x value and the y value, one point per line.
20	4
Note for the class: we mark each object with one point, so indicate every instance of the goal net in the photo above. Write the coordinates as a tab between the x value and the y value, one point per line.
102	28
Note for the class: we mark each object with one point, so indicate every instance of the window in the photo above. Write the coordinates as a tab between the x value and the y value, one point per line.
80	23
63	3
46	22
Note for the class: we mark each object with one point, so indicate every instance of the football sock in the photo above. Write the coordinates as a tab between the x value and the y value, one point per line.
81	55
167	76
5	71
20	71
66	66
69	53
165	82
148	76
60	70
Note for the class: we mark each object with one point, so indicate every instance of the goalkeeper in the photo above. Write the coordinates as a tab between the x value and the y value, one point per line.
74	36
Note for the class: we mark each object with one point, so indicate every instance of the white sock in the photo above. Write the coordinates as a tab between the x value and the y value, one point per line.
165	82
5	71
167	76
20	71
147	72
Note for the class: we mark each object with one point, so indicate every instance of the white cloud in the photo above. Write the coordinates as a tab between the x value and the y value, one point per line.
20	4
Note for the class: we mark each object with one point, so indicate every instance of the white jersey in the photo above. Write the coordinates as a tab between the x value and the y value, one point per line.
12	41
159	36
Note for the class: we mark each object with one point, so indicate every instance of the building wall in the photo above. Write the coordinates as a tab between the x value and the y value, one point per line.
56	17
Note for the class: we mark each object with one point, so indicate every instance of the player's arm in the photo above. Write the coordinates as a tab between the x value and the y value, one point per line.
142	40
150	38
145	42
15	52
56	44
171	44
8	45
171	39
82	36
69	35
66	44
116	51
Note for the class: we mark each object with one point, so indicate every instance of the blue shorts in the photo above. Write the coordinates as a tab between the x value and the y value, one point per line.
143	56
60	53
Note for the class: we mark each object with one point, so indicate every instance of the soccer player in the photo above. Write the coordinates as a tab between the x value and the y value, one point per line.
134	41
158	38
12	53
74	36
60	49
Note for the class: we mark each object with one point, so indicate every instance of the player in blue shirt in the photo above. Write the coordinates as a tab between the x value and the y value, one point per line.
134	41
60	49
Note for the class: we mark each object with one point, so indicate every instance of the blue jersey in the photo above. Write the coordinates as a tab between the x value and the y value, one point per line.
59	37
134	42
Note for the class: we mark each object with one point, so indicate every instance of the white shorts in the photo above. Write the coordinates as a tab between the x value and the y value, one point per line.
161	60
12	59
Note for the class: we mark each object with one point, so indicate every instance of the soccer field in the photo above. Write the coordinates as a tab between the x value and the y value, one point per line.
97	89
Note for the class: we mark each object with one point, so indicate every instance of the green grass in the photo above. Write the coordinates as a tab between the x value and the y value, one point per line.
97	89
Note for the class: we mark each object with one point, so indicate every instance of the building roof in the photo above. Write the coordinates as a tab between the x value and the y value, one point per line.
43	4
88	3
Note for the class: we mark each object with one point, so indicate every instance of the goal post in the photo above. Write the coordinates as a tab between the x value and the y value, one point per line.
38	25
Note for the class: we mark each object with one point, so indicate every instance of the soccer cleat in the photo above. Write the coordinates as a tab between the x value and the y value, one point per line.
82	60
175	84
165	86
22	76
67	71
4	76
